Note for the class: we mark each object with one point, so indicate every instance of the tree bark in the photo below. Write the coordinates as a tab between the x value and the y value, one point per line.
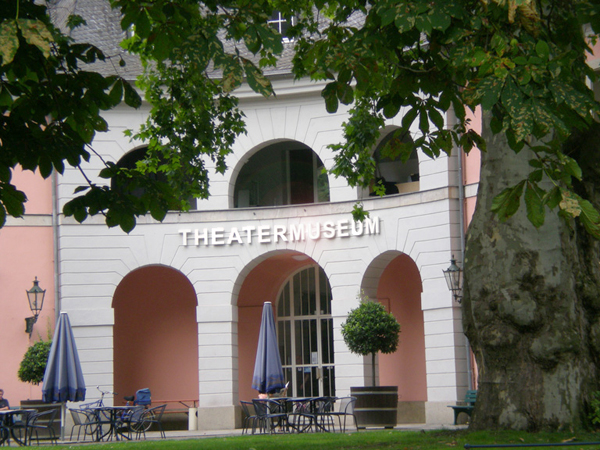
531	303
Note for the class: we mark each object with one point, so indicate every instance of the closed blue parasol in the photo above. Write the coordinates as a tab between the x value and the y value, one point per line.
63	379
268	373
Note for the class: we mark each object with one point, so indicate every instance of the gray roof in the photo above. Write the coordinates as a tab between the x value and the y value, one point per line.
103	30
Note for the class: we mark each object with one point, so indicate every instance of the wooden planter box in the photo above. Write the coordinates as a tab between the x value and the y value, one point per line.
376	406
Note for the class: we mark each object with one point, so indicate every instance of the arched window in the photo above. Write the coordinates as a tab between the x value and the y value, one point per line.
396	175
129	161
286	173
305	334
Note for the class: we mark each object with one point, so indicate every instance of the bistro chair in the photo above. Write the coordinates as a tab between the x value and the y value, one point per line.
149	417
322	407
249	418
131	421
345	410
85	419
300	416
40	422
271	415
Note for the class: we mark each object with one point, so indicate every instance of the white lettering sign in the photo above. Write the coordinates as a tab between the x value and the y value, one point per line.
266	234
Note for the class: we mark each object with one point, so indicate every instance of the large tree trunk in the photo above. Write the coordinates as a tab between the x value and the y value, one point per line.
531	303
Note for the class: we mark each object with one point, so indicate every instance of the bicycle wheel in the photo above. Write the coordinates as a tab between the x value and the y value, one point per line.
144	423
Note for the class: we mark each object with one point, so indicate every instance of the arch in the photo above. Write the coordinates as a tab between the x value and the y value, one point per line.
394	280
397	176
281	172
155	313
260	281
129	161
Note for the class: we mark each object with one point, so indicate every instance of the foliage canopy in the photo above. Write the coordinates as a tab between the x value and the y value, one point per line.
370	329
33	365
522	61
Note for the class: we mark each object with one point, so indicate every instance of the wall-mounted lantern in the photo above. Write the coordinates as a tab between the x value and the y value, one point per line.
35	296
454	279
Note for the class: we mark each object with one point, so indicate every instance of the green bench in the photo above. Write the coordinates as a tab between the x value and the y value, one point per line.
466	406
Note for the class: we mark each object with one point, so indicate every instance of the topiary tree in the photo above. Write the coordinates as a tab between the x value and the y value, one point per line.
34	362
370	329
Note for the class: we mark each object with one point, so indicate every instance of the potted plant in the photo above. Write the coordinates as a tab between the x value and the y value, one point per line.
370	329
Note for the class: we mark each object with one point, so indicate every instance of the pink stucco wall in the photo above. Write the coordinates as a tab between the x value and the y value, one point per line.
25	252
400	291
37	189
472	160
156	335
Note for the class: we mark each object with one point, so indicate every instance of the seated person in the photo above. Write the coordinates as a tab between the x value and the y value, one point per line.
3	402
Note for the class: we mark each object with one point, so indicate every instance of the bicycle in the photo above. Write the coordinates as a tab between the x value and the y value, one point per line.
139	420
97	417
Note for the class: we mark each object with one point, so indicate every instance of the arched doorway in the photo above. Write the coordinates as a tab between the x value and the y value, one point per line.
301	295
394	280
156	335
305	333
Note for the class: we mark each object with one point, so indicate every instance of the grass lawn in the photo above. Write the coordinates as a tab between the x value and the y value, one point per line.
389	439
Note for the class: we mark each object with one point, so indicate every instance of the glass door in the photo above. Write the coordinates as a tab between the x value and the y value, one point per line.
305	334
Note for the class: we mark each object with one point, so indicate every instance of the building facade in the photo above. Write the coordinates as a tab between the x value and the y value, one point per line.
175	305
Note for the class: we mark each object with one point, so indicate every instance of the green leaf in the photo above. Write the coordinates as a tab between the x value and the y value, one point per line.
329	93
507	202
534	205
390	109
79	189
345	93
553	198
127	222
13	200
490	89
9	41
590	218
270	39
409	118
536	176
423	122
436	118
256	80
132	98
572	168
543	50
251	39
116	92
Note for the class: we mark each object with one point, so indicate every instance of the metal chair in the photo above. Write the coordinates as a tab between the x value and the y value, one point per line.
346	409
132	421
148	418
301	414
85	419
43	421
323	407
270	415
249	417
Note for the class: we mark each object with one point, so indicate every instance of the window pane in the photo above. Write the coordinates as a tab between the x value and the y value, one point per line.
283	305
327	341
